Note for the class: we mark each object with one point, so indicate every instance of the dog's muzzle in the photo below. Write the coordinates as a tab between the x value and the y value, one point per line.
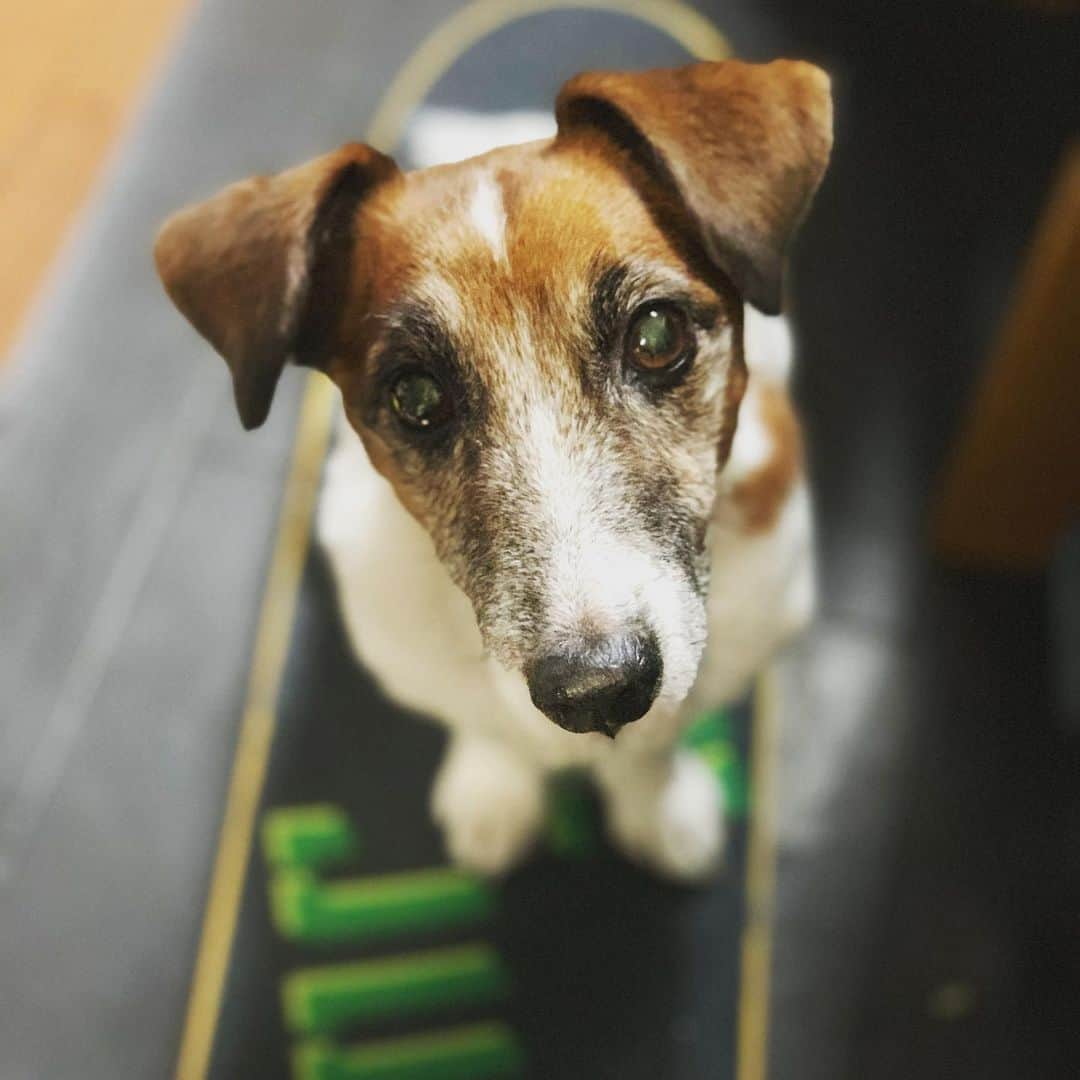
600	685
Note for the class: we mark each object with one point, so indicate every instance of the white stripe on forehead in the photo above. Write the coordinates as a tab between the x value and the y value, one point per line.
487	213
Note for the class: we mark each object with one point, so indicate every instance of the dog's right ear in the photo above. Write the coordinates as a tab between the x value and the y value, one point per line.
741	146
262	269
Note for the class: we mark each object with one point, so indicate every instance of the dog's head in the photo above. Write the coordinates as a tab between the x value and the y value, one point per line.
541	348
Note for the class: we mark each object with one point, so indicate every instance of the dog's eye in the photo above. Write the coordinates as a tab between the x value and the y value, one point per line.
659	343
418	400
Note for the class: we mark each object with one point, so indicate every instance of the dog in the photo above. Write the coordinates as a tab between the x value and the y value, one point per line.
568	511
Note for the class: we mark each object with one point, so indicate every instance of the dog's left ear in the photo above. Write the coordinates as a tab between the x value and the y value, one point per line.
742	146
262	269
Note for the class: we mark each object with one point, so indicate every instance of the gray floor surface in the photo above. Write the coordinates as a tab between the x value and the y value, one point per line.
137	518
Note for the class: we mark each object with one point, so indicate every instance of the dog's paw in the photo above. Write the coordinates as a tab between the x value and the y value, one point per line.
675	826
489	805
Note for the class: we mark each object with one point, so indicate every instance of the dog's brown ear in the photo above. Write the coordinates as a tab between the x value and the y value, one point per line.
743	146
262	269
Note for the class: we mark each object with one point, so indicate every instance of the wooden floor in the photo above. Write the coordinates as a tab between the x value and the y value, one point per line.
73	73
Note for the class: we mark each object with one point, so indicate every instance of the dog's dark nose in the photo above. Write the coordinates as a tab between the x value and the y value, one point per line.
600	686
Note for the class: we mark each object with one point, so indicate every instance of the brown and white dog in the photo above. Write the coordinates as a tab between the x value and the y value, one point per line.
575	514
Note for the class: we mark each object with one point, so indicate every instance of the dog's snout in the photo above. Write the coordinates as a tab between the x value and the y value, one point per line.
600	686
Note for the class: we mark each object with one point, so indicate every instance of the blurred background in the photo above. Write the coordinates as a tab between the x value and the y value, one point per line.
926	920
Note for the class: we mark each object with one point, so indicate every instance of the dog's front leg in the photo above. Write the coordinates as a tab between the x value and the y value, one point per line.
664	810
489	802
